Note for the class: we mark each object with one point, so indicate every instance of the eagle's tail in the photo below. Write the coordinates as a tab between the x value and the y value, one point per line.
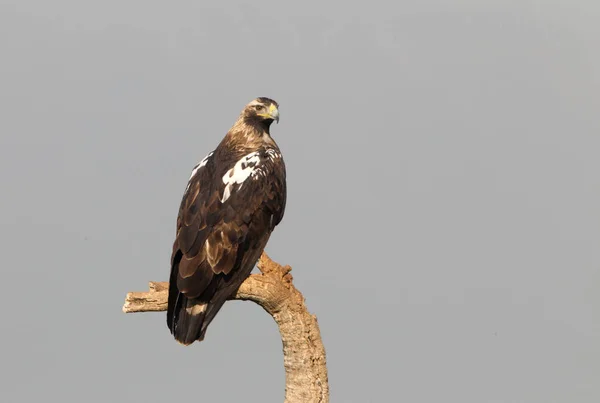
185	316
188	320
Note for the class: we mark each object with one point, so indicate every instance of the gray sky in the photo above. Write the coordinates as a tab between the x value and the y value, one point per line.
442	217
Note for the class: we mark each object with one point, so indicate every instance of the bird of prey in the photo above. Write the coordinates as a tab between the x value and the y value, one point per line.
234	199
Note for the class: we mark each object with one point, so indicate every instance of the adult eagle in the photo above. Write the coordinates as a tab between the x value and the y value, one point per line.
234	199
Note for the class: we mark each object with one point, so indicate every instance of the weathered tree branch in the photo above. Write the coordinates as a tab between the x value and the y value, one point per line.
303	351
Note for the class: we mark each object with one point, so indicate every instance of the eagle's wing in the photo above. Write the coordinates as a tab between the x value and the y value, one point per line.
216	216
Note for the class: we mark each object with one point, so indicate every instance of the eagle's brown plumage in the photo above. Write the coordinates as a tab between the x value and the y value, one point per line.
234	199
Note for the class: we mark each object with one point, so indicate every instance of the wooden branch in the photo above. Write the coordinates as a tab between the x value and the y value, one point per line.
303	351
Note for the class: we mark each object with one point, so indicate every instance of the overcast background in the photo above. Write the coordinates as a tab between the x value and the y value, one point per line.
443	213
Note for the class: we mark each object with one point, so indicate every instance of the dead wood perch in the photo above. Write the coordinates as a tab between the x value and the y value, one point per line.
303	351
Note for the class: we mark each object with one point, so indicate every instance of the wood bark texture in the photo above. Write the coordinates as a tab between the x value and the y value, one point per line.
303	351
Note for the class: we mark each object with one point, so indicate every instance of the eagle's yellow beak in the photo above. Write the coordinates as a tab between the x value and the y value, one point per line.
272	113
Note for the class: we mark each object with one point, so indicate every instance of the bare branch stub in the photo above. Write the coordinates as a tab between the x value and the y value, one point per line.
272	289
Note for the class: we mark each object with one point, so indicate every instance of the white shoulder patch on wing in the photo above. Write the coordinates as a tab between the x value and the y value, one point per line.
262	170
197	167
273	154
239	173
201	164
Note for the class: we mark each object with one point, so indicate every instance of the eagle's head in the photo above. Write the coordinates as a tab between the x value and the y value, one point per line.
262	111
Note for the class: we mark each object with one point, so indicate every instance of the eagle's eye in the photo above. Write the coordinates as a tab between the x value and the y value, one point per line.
258	107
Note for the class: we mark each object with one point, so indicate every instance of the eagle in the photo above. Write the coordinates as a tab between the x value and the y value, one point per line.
233	200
